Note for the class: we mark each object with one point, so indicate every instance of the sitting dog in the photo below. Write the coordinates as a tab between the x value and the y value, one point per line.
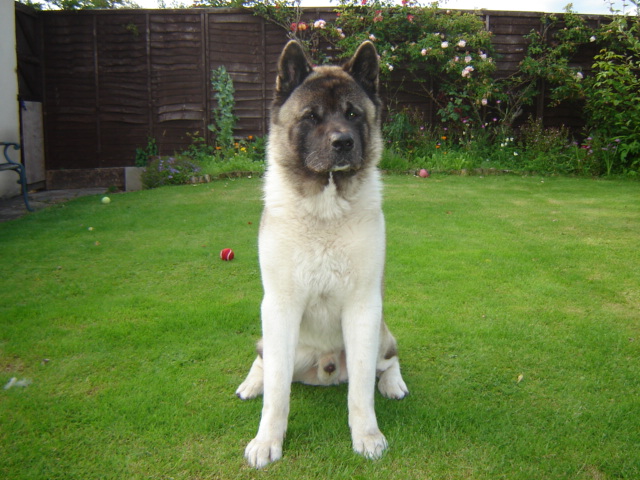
322	250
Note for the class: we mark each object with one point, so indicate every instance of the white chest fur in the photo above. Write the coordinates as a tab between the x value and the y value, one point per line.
322	250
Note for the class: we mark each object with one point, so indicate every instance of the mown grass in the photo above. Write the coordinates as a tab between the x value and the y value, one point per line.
515	302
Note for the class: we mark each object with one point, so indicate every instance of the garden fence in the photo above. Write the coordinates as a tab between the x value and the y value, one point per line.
110	79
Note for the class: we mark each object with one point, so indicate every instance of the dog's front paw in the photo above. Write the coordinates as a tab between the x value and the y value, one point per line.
261	453
371	445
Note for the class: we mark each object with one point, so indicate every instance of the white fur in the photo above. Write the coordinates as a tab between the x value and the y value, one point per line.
322	261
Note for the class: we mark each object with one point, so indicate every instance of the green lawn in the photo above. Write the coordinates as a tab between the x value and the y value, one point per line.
515	301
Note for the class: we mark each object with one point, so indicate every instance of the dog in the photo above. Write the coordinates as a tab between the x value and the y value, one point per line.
322	250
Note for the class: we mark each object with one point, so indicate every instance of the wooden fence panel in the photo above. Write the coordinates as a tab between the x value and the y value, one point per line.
71	133
508	30
178	77
123	87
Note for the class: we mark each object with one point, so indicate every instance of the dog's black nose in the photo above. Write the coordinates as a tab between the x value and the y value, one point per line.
342	142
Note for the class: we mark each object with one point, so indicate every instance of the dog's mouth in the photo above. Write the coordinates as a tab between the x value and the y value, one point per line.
342	167
336	152
333	163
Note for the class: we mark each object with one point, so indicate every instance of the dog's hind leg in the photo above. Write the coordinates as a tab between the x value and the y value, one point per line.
390	382
253	385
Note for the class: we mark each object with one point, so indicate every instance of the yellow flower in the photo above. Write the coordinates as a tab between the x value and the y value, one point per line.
443	138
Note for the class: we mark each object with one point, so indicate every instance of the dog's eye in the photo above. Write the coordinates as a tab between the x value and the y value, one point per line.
312	117
352	115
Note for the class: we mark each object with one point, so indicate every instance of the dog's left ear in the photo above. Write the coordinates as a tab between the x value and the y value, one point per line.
364	67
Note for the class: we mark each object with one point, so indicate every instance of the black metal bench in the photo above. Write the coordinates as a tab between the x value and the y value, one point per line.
16	167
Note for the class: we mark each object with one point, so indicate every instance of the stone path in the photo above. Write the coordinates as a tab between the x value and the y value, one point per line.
13	208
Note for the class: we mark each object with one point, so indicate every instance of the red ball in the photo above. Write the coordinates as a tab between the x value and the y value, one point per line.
226	254
423	173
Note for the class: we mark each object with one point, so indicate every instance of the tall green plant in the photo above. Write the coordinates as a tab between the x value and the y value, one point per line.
224	121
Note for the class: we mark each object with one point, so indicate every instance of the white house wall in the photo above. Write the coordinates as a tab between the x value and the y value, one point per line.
9	120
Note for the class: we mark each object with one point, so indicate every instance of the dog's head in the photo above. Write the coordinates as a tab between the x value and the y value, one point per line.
328	117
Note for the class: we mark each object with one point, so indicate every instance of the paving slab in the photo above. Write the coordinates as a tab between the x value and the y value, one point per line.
12	208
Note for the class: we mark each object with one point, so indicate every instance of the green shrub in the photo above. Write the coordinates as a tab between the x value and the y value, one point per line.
198	150
144	154
394	161
543	150
613	105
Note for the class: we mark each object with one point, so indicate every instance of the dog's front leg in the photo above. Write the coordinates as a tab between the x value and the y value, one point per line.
281	327
361	330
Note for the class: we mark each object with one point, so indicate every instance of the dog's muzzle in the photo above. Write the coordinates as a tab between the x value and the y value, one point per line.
342	144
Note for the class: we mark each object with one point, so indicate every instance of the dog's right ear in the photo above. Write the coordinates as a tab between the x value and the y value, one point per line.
293	68
364	67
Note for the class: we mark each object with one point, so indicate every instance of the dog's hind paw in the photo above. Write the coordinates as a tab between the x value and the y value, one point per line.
391	385
371	446
253	385
259	454
249	389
